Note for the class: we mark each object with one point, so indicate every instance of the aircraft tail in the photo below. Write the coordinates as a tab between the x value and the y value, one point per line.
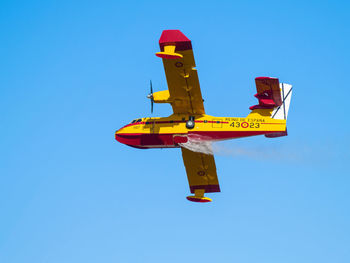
274	101
281	112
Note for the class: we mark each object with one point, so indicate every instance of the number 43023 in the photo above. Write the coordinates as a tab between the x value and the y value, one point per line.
238	124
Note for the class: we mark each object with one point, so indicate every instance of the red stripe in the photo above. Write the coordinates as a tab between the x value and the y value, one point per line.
270	123
210	188
161	122
151	122
132	124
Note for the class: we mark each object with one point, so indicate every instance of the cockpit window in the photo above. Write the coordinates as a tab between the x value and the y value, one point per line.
133	121
139	120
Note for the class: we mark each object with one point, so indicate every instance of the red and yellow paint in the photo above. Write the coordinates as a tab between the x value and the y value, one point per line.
189	119
170	131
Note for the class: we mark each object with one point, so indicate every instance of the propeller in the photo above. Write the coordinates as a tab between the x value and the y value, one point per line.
150	96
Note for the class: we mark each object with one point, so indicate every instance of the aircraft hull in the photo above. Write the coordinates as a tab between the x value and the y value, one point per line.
147	141
169	132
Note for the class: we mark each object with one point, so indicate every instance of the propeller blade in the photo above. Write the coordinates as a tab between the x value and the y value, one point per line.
151	96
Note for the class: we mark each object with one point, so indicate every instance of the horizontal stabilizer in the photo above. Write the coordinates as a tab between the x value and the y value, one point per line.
276	134
269	93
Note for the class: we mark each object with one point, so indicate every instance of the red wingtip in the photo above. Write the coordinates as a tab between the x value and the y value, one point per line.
174	37
198	200
265	78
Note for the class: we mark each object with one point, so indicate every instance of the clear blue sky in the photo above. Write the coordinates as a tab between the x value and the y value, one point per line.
73	73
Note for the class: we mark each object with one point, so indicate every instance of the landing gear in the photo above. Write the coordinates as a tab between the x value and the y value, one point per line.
190	123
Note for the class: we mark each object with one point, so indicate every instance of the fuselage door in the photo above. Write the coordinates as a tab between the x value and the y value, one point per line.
217	123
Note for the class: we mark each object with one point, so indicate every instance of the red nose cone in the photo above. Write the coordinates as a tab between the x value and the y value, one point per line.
129	139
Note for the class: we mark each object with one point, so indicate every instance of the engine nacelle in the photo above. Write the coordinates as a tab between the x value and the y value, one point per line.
161	96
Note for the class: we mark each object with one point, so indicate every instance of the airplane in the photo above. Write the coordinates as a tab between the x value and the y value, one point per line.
190	122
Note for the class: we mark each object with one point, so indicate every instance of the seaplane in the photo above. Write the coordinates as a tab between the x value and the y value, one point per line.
189	120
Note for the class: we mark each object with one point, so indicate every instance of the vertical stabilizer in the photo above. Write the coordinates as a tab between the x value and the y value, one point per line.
281	112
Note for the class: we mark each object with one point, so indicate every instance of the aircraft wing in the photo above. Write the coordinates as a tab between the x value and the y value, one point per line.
183	84
201	171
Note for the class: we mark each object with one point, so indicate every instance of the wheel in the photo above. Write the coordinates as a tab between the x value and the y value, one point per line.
190	124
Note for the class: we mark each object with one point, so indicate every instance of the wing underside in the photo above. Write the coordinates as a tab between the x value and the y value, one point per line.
201	171
181	74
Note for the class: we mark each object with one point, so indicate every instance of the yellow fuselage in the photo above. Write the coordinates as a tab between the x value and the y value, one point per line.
170	131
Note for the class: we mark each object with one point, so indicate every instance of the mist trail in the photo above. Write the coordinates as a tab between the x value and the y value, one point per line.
197	143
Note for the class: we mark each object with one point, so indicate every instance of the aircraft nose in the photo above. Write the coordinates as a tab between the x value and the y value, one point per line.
130	139
117	135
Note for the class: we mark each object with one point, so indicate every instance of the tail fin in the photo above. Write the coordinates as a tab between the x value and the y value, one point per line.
274	100
281	112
